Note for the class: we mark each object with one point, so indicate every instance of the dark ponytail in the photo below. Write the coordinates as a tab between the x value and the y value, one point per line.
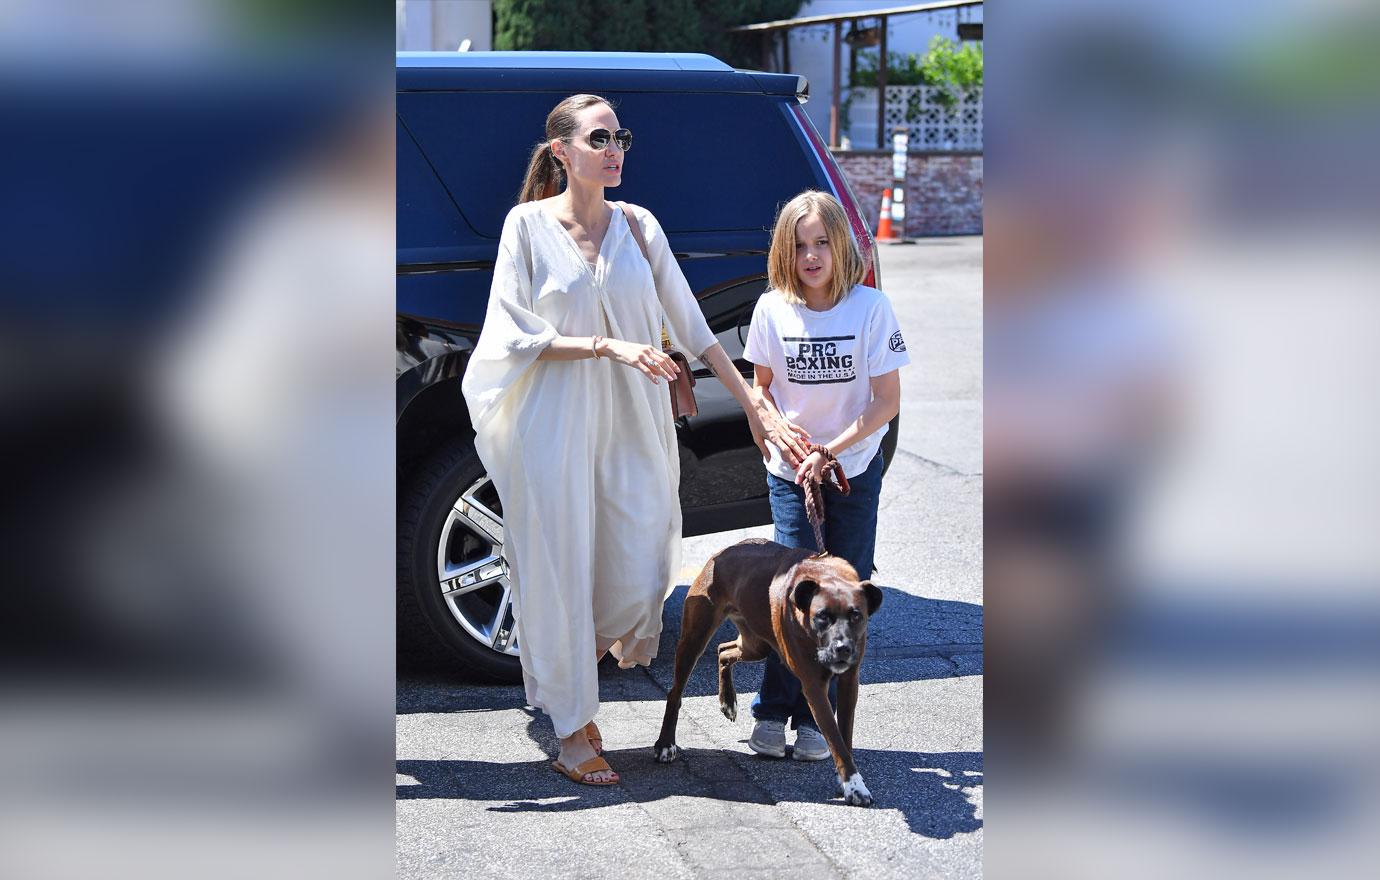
545	174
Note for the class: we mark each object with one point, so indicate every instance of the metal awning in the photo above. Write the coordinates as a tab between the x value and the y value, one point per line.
786	23
767	28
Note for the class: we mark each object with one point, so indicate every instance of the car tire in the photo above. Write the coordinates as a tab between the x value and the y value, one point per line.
450	532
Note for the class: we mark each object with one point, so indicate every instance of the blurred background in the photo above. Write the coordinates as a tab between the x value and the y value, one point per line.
195	302
196	284
1181	502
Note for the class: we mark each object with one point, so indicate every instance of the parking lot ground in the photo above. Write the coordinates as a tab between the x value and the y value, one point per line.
476	794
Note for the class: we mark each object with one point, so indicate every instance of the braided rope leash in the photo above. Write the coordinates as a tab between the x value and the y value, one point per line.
814	493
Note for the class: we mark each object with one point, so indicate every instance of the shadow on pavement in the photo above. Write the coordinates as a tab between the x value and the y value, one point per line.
933	791
911	639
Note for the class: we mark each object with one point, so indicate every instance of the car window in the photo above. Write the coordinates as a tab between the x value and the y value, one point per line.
701	162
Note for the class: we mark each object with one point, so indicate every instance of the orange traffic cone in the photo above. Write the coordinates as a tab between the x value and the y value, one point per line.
884	232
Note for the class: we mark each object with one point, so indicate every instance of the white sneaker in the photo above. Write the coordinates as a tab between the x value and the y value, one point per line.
768	738
810	745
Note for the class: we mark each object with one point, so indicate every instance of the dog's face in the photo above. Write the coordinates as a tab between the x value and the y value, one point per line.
835	613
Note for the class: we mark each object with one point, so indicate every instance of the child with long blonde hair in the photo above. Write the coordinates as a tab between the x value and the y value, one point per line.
826	351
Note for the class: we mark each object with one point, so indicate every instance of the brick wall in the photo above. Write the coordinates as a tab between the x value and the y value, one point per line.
943	191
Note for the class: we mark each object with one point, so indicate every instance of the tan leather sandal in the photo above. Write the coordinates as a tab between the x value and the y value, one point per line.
596	739
578	774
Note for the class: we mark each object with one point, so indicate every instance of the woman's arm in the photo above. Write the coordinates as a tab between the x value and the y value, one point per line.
688	326
792	452
764	419
885	404
649	360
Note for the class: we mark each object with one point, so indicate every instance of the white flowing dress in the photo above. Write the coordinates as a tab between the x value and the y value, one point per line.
583	453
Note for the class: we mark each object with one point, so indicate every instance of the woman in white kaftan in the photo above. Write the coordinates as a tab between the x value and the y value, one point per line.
572	417
582	452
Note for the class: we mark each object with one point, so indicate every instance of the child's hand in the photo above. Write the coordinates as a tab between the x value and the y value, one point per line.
812	468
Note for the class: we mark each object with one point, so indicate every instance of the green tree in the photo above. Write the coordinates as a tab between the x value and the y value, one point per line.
638	26
543	24
740	50
953	69
674	26
623	26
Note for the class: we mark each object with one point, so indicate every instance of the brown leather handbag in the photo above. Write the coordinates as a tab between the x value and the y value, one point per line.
683	386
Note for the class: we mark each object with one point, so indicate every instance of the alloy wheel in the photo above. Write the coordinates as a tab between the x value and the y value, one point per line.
471	571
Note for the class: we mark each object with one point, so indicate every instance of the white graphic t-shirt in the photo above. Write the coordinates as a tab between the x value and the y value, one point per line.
822	364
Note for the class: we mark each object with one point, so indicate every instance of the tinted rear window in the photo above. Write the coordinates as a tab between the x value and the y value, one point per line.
700	161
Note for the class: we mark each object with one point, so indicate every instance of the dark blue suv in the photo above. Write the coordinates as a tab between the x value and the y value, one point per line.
718	150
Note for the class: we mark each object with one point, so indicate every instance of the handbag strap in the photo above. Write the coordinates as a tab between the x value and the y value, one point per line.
636	229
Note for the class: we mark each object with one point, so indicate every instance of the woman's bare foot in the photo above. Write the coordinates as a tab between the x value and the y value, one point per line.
575	750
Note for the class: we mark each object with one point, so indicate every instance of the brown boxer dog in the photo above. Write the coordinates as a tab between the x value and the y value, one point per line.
812	610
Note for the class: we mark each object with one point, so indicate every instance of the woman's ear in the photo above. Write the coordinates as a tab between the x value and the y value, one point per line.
558	155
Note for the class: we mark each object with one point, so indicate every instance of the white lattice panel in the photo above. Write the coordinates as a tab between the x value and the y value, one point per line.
931	125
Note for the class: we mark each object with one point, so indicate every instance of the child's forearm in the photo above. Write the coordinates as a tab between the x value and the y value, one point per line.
878	412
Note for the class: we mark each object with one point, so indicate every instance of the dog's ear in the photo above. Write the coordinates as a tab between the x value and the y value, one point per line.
802	594
874	596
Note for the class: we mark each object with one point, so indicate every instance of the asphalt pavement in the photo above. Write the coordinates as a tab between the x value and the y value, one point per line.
477	797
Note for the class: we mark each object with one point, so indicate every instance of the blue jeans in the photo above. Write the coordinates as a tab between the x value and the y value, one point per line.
850	531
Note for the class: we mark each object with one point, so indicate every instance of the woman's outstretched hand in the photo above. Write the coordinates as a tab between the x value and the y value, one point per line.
651	361
754	418
781	432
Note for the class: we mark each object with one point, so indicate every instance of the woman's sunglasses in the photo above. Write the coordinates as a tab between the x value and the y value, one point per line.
600	137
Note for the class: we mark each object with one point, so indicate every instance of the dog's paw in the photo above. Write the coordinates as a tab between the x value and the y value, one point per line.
666	754
729	707
854	791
